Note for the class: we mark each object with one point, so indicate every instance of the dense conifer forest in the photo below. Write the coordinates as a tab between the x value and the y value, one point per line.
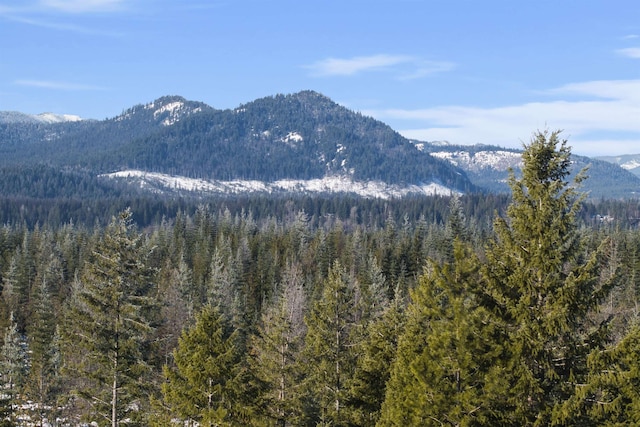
304	311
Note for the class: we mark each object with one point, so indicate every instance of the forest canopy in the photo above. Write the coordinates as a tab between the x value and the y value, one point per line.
310	311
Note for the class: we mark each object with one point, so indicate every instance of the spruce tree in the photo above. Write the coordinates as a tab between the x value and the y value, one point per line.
108	326
610	396
13	367
376	355
44	370
274	352
328	348
202	386
444	371
541	285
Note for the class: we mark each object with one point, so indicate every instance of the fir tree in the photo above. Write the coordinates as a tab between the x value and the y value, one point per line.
542	286
376	355
275	349
610	396
443	372
13	367
328	347
108	326
203	385
41	340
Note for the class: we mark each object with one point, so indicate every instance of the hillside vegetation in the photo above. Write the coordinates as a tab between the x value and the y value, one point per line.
346	312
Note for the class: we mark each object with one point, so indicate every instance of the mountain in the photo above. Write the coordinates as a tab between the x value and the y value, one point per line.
302	143
630	162
488	167
7	117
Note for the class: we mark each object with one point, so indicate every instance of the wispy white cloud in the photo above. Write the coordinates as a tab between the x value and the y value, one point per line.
62	26
630	37
83	6
56	85
605	123
64	6
404	67
358	64
48	14
631	52
427	68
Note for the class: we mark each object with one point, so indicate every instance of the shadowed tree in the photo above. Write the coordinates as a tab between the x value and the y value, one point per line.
204	386
109	325
328	350
275	350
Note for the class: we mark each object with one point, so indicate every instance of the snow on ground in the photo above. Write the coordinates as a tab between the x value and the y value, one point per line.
170	107
498	160
632	164
57	118
161	183
293	137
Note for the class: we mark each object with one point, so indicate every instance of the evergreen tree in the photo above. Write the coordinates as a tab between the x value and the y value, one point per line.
13	367
444	371
18	280
275	349
542	286
203	385
610	396
109	326
177	305
328	350
376	355
41	340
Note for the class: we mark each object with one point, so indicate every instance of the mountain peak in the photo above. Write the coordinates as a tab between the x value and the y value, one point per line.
166	110
46	118
58	118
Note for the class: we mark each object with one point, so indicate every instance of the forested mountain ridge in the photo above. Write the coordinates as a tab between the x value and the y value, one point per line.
297	143
17	117
488	167
302	136
630	162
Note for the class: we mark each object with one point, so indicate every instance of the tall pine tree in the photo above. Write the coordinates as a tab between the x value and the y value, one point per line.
274	352
203	385
328	350
542	285
109	326
444	372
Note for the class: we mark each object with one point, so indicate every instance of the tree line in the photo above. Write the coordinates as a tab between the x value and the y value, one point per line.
218	318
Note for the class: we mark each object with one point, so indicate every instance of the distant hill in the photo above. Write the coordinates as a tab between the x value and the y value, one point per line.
630	162
297	143
299	137
488	167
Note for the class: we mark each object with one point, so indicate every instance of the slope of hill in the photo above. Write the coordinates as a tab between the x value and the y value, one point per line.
303	142
7	117
630	162
488	167
299	137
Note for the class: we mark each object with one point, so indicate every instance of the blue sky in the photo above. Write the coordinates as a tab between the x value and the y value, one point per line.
490	71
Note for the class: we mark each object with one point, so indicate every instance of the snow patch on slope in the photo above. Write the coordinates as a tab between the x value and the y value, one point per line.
293	137
162	183
170	107
174	111
632	164
58	118
48	118
497	160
